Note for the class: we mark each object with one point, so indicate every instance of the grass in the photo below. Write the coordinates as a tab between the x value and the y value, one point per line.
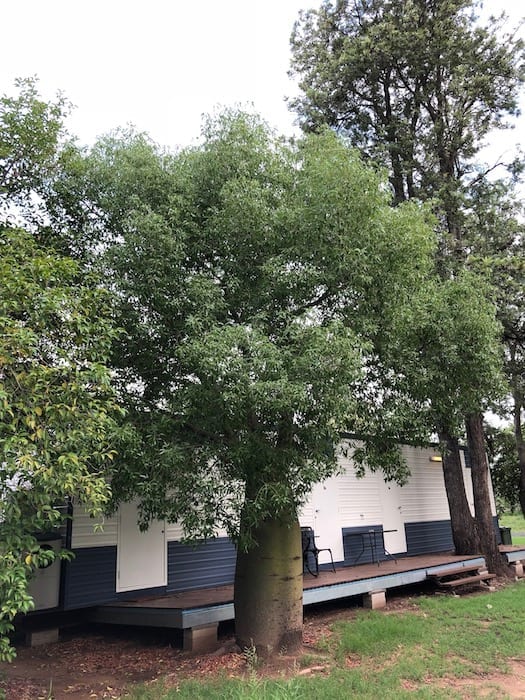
446	640
515	521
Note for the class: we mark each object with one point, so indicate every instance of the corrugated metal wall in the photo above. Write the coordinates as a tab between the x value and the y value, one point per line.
358	500
424	498
357	544
208	564
429	536
89	578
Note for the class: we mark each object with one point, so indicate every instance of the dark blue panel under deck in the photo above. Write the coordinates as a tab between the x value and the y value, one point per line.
207	564
358	544
431	536
90	577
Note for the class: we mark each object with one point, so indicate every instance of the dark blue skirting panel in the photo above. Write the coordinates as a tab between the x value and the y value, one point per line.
358	544
89	578
426	537
203	565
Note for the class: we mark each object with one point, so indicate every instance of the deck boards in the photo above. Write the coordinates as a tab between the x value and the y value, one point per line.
200	607
344	574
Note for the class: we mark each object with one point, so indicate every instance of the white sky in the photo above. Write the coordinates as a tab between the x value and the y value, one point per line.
159	64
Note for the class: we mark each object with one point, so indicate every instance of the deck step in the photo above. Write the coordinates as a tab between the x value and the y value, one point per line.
442	573
467	579
460	575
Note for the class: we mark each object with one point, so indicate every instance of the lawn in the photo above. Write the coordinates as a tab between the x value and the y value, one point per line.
436	646
516	522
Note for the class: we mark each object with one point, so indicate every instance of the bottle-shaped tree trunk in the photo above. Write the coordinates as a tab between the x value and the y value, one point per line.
269	589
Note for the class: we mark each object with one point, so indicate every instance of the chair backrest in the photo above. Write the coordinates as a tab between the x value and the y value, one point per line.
307	538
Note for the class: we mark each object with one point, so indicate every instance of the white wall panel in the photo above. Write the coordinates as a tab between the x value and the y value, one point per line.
424	497
92	532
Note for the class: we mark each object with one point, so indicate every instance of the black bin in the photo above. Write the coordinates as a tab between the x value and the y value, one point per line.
506	537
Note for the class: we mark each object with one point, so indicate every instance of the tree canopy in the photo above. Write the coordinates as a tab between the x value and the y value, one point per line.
418	86
57	408
58	411
252	286
31	136
255	279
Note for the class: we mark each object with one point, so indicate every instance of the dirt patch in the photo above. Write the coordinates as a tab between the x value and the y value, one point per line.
496	685
95	662
88	663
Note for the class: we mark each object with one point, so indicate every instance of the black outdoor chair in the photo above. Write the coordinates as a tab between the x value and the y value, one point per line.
311	552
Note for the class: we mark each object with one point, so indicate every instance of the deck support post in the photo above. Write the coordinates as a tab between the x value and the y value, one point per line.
35	638
483	571
518	568
201	639
375	599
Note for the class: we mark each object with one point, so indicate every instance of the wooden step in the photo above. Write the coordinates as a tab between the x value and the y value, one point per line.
442	573
467	579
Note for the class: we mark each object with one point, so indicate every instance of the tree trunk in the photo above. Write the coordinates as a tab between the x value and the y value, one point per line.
464	531
517	397
482	503
520	446
268	593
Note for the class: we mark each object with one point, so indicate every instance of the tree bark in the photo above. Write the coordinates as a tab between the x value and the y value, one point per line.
517	397
464	530
520	446
480	486
268	593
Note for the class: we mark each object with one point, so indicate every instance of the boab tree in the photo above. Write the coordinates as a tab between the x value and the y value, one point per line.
253	278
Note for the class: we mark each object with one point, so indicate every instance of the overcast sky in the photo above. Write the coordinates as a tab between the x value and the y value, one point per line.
158	64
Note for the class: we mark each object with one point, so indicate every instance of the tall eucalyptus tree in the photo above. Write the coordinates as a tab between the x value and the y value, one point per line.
416	85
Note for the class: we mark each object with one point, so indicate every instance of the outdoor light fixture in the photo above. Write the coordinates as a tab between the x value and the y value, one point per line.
436	458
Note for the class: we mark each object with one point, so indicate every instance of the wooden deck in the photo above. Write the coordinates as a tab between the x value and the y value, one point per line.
512	552
199	612
190	609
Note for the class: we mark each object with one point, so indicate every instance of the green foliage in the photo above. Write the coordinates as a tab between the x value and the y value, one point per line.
254	280
417	85
448	335
57	408
504	468
31	132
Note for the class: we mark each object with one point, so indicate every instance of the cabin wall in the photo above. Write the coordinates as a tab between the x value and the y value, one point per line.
342	511
93	576
411	519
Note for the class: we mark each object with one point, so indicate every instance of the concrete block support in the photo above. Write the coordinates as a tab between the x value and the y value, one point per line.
35	638
201	639
375	599
518	569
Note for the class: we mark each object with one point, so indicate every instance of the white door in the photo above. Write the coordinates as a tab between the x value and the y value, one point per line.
395	542
326	521
141	556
